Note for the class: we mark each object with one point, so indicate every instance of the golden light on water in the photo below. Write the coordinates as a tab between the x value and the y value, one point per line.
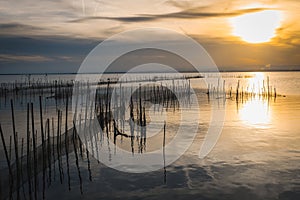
256	82
256	113
257	27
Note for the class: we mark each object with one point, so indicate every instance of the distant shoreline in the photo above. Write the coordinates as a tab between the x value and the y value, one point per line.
73	73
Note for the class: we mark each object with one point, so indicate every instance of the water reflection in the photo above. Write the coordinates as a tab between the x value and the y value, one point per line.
256	82
69	165
256	112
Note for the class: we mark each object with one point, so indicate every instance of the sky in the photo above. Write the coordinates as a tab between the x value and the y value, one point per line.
54	36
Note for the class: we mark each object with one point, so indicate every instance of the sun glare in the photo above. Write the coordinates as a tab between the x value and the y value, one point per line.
256	113
257	27
256	82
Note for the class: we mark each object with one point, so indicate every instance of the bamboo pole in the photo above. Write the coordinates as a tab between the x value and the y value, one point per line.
28	155
43	144
16	148
49	151
67	143
34	153
7	160
164	155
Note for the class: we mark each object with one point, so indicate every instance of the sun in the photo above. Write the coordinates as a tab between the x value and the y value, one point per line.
257	27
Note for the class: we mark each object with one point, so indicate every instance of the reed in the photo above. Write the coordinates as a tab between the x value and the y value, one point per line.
43	144
164	154
67	143
75	143
28	154
59	140
7	160
49	151
58	146
16	148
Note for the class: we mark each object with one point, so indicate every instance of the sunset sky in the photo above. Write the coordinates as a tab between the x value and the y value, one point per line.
55	36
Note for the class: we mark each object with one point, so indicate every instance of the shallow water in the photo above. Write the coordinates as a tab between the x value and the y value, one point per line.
256	157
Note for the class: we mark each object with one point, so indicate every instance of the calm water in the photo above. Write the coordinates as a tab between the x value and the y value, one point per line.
256	157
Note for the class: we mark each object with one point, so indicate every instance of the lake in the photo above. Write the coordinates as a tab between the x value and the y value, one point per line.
255	156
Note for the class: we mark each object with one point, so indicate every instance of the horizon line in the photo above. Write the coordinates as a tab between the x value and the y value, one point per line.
152	72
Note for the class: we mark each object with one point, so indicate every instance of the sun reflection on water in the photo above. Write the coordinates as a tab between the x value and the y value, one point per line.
256	113
256	82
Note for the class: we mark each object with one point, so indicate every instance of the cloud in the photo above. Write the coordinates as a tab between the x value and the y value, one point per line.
43	54
288	36
121	19
12	58
196	13
23	58
44	36
180	4
49	45
193	13
268	66
17	28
